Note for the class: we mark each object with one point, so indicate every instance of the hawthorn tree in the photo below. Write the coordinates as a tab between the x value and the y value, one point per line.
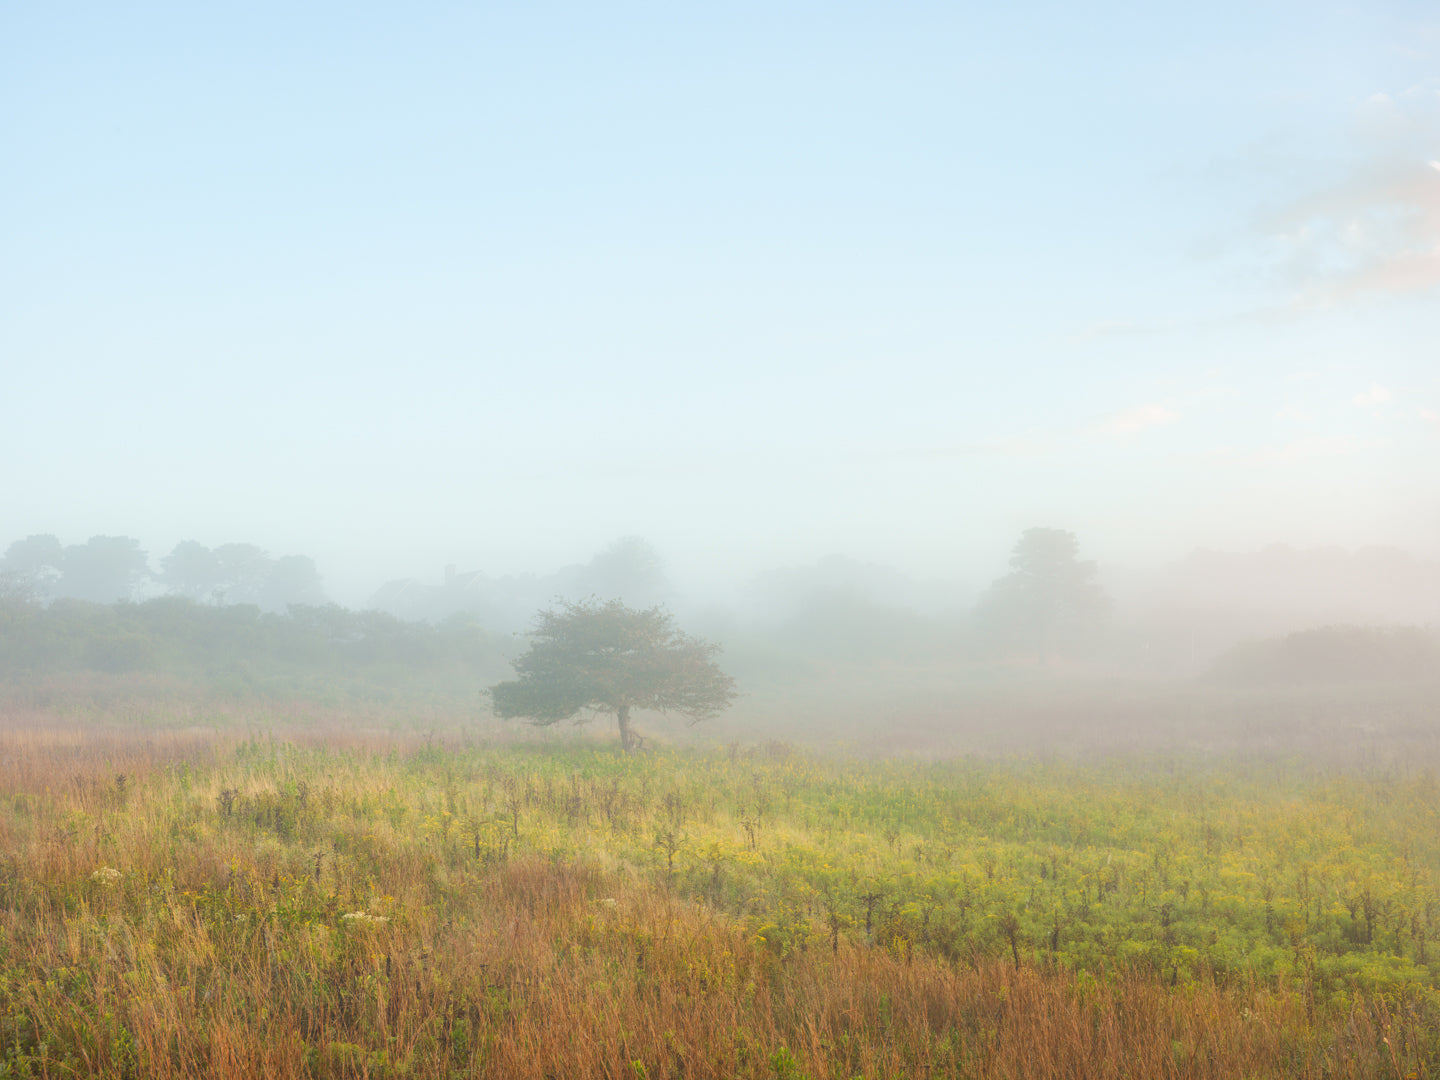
592	658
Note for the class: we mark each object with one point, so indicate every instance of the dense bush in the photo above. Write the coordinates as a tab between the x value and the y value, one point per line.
178	637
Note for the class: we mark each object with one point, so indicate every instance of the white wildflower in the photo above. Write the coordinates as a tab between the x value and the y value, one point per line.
106	875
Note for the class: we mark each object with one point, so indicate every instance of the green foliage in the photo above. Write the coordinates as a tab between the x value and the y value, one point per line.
240	650
318	872
785	1066
609	658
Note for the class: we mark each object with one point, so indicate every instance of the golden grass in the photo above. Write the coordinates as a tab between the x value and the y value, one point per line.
225	951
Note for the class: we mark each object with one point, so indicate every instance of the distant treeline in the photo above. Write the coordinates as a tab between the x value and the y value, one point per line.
241	648
234	616
1334	654
1049	603
105	569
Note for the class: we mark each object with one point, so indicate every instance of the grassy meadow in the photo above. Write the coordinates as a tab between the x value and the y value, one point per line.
313	894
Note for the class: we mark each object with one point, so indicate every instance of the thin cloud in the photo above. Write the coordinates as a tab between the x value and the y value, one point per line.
1377	233
1376	395
1293	414
1430	416
999	448
1112	328
1372	231
1291	453
1133	421
1377	230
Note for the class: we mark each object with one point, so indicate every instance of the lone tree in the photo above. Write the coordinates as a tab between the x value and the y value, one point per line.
1048	599
591	657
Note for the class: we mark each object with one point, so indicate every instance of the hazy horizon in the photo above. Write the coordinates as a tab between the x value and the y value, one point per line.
494	288
1275	589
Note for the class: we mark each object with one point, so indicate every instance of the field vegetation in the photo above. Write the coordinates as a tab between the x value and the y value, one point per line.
255	899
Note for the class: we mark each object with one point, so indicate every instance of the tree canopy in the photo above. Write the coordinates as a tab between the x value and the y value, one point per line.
590	658
106	569
103	570
31	567
1049	598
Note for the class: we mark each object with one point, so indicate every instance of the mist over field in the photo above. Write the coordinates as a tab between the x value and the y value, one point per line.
778	540
341	345
493	288
1322	651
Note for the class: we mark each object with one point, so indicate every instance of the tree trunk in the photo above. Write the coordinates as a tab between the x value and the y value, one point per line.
627	733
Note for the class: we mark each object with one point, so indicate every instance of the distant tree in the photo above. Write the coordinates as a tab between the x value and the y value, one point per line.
241	574
33	566
1048	600
293	579
15	590
592	657
630	569
244	570
103	570
192	570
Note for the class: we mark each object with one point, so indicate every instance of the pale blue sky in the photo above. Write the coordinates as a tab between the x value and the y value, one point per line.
493	285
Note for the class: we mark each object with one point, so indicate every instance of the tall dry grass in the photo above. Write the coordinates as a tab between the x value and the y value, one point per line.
224	952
